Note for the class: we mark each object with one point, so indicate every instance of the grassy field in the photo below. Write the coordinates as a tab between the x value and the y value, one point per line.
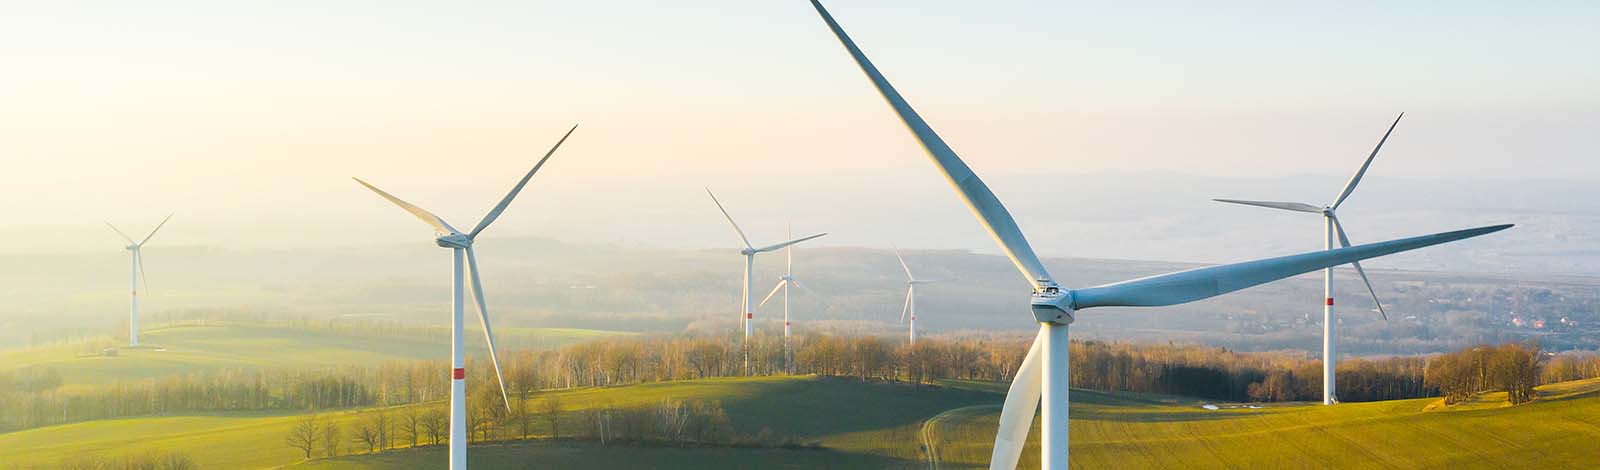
873	425
196	348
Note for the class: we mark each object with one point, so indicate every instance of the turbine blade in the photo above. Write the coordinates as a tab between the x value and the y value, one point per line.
907	307
902	259
1344	241
501	207
1288	206
423	215
788	252
775	290
119	233
483	318
1350	186
735	225
767	248
978	197
803	287
1016	416
1195	284
157	229
138	257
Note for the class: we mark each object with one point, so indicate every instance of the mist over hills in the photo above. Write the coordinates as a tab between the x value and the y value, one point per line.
534	282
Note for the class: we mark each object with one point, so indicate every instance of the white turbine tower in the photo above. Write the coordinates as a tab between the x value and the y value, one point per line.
911	298
750	251
1042	377
461	243
785	282
135	274
1330	228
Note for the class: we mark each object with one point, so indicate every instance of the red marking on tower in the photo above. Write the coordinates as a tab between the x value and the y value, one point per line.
1330	300
460	373
749	315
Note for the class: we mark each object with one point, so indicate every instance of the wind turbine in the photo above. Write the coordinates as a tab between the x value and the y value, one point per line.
1043	375
1330	227
135	274
750	251
786	281
911	297
461	243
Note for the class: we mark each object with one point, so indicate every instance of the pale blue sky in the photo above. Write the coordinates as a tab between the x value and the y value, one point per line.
218	109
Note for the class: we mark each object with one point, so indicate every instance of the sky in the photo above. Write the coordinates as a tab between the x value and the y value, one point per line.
248	118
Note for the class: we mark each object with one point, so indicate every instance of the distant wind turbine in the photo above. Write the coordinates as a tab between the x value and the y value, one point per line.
785	282
135	275
1331	227
911	298
1042	378
749	251
461	243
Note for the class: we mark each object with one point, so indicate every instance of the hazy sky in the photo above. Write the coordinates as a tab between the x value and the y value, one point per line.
248	118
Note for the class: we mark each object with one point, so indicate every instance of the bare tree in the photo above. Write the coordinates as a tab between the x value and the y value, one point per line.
304	434
410	421
331	439
435	422
551	408
363	432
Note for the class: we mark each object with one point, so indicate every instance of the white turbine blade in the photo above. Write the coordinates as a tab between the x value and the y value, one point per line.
802	287
775	290
1195	284
1345	242
735	225
1350	186
157	229
978	197
907	307
902	259
788	252
138	257
423	215
1016	416
767	248
1288	206
483	318
501	207
119	233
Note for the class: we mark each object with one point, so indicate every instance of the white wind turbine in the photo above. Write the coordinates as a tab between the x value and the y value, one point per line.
1042	378
461	243
750	251
911	298
1330	228
785	282
135	274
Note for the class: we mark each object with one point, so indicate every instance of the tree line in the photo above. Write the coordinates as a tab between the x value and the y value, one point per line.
31	398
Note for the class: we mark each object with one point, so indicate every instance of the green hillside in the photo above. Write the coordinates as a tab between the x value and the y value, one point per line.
872	425
198	348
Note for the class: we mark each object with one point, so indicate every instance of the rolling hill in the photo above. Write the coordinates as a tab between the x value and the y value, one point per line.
876	425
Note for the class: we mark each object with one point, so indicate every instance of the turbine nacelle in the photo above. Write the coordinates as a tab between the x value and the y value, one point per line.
1052	304
455	240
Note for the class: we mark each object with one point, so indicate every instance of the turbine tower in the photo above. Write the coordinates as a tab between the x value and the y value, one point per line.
747	313
786	281
135	274
911	298
461	244
1330	228
1042	378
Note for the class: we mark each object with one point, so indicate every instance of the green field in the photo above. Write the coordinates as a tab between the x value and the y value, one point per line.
874	425
196	348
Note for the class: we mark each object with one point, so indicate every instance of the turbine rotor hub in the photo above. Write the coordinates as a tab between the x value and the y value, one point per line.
455	240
